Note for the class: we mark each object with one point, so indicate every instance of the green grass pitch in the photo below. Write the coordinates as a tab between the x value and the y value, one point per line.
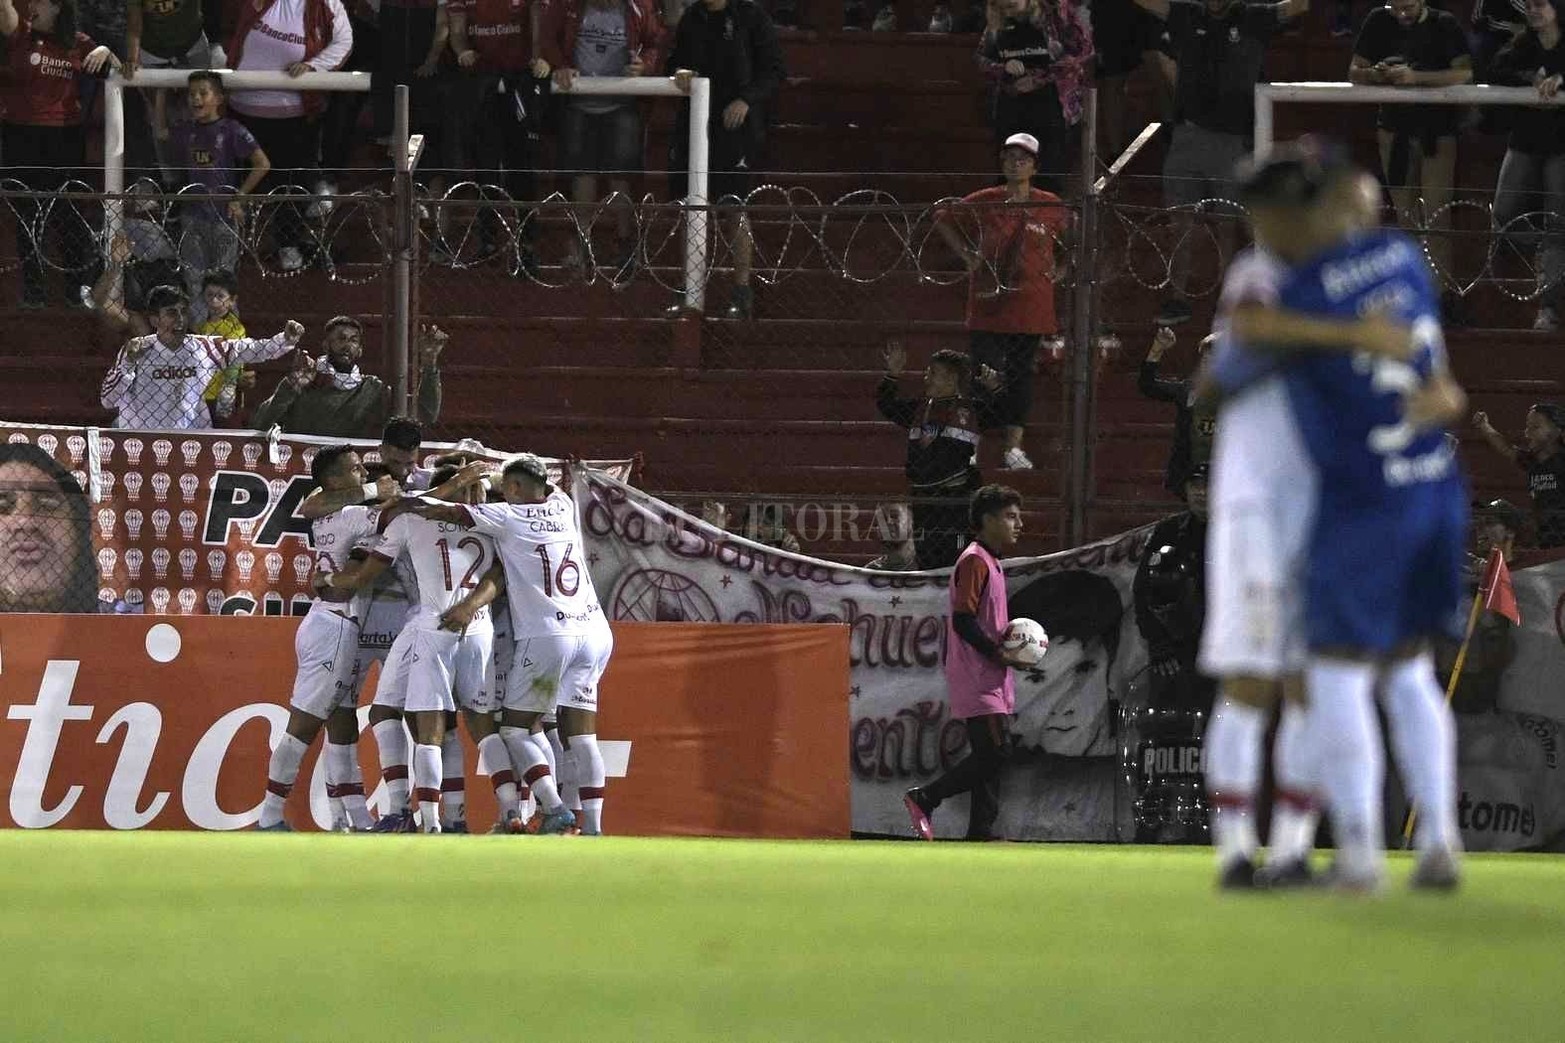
163	936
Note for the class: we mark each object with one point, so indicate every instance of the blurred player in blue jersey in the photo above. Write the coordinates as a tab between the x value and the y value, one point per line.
1387	547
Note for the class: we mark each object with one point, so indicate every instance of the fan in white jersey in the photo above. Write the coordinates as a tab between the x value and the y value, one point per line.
158	382
1262	502
326	646
443	669
563	641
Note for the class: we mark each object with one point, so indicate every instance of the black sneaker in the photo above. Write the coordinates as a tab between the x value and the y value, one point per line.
1237	875
1287	875
919	808
1174	311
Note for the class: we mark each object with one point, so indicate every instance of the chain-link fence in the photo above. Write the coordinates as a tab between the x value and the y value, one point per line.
560	329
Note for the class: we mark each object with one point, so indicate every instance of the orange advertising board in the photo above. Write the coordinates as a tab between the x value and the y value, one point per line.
131	722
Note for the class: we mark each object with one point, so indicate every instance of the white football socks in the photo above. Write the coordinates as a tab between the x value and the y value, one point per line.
591	776
346	778
426	785
1423	741
552	748
1352	765
391	739
495	760
281	772
1233	775
453	782
529	762
1296	810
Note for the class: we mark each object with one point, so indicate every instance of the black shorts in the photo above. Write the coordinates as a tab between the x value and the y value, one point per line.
732	157
1014	356
601	142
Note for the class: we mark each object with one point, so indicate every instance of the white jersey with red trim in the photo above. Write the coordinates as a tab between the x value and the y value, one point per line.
546	580
336	537
162	388
447	559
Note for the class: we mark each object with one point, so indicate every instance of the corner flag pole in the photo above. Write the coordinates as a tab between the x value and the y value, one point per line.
1450	690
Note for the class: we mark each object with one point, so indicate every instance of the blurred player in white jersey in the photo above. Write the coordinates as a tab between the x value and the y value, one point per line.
441	669
326	645
1262	503
563	641
158	381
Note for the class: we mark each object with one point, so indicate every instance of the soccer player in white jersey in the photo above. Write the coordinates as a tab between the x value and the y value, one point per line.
326	645
1262	501
157	381
563	641
443	669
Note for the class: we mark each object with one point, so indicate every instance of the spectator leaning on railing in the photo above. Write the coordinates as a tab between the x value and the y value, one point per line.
159	381
1217	48
1039	62
1410	44
601	135
42	140
295	36
1006	238
734	44
329	397
497	89
1532	177
210	150
1542	456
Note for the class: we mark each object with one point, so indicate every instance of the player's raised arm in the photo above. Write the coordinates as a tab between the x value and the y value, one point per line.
452	487
459	616
321	502
1277	330
356	576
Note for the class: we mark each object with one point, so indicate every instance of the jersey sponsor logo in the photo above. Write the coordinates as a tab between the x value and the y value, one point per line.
578	617
278	34
173	372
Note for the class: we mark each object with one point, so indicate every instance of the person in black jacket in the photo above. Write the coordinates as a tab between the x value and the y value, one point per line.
942	450
1532	177
734	44
1194	424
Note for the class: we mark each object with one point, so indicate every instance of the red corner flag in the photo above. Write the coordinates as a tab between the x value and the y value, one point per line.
1498	594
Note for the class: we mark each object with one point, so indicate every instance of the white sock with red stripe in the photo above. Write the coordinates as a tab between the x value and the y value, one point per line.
495	760
1233	774
453	783
531	765
591	777
281	772
345	782
1296	810
426	785
391	739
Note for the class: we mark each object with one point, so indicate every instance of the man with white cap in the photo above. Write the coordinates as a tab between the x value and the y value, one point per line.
1006	237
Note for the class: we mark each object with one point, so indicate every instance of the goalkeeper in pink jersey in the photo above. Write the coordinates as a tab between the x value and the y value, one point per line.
978	674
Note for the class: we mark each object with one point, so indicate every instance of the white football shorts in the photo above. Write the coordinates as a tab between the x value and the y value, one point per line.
446	670
392	688
326	646
1262	503
383	621
558	670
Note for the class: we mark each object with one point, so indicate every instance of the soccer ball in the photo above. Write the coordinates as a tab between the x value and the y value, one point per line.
1024	640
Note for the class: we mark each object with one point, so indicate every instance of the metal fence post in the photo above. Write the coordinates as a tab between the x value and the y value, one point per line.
402	235
1083	355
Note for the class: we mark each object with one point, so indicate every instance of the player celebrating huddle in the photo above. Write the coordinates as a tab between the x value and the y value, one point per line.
563	641
1386	548
440	669
326	645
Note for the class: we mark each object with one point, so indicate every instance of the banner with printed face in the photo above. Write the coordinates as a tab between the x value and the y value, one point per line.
127	722
167	523
651	562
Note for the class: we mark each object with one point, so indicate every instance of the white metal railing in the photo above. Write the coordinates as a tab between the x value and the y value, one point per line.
642	86
1267	94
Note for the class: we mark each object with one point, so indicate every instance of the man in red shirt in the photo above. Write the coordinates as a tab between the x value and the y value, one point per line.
1006	237
42	59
